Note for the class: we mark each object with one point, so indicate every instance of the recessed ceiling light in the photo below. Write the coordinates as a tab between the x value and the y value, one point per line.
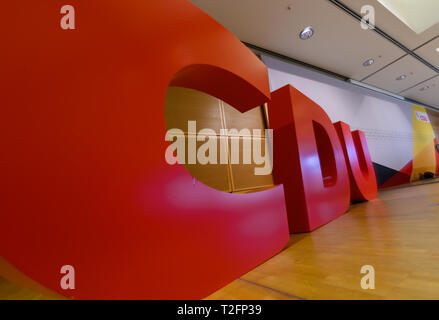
369	62
424	88
401	77
437	49
306	33
418	15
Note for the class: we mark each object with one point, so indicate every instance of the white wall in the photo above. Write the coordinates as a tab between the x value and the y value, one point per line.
386	121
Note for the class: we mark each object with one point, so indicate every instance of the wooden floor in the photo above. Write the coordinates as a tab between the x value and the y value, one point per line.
11	291
397	233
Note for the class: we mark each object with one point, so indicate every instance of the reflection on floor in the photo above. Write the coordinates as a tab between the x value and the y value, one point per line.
10	291
397	233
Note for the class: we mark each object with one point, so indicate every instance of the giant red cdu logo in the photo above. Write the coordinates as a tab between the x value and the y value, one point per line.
84	179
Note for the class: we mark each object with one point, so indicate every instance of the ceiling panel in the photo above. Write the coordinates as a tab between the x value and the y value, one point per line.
430	52
391	25
429	97
339	45
413	70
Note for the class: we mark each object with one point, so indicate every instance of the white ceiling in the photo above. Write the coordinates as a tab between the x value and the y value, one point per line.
390	24
430	96
414	71
339	45
429	53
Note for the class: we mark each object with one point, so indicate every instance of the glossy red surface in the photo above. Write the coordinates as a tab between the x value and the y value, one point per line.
436	149
308	161
84	177
359	163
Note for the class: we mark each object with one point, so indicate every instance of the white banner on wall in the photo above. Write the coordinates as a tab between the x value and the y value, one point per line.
386	121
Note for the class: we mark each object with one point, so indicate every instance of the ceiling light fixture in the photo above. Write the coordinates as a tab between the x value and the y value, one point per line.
424	88
401	77
306	33
437	49
368	63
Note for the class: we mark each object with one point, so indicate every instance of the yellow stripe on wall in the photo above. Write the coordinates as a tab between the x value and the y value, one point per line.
424	158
